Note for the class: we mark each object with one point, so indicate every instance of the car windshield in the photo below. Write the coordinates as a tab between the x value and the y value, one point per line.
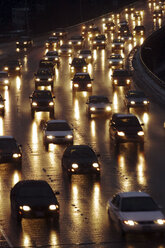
79	61
99	99
85	52
136	95
127	121
120	73
7	145
76	38
135	204
3	74
36	191
82	77
59	126
42	94
82	153
54	53
115	57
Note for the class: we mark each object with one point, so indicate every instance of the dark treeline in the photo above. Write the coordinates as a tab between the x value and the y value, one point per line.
45	15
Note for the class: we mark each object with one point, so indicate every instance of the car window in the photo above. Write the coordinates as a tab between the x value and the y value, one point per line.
116	201
81	153
127	121
42	94
99	100
133	204
58	127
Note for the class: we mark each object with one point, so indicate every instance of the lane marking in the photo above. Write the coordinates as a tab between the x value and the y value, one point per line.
6	238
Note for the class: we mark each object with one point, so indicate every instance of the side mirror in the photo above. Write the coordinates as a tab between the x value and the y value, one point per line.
30	97
142	124
56	192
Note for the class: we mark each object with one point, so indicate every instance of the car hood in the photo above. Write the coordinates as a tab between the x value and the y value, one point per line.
141	216
139	99
59	133
100	104
83	160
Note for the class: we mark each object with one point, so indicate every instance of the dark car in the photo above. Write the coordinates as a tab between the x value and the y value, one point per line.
53	57
82	82
52	43
77	41
33	199
65	50
136	99
99	41
109	26
121	77
126	128
13	67
139	30
61	33
78	65
24	43
44	77
4	79
80	159
2	105
42	100
10	151
46	64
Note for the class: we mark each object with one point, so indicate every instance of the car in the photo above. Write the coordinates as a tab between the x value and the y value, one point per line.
136	99
93	32
139	30
123	28
53	56
125	128
31	199
4	79
77	41
99	41
116	61
137	16
86	54
61	33
98	105
2	105
13	67
42	100
78	65
135	211
121	77
52	43
117	46
44	77
80	159
126	36
10	151
47	65
65	50
82	82
157	14
109	27
57	132
24	43
86	29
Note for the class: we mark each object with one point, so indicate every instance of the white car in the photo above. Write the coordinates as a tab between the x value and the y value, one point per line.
4	79
57	132
135	211
98	104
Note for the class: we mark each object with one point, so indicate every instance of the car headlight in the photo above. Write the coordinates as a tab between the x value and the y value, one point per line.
74	166
132	102
79	43
17	42
69	50
95	165
89	85
6	81
159	221
47	44
49	137
6	68
89	57
103	42
145	102
140	133
56	59
25	42
72	67
115	81
46	58
121	62
92	108
128	81
53	207
25	208
80	56
110	62
76	85
69	136
16	155
120	133
1	106
70	42
49	79
130	222
94	42
108	108
17	68
37	79
34	103
51	103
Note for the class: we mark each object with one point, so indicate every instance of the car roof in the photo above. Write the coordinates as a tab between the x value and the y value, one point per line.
133	194
31	182
6	137
97	96
81	73
56	121
78	146
123	115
